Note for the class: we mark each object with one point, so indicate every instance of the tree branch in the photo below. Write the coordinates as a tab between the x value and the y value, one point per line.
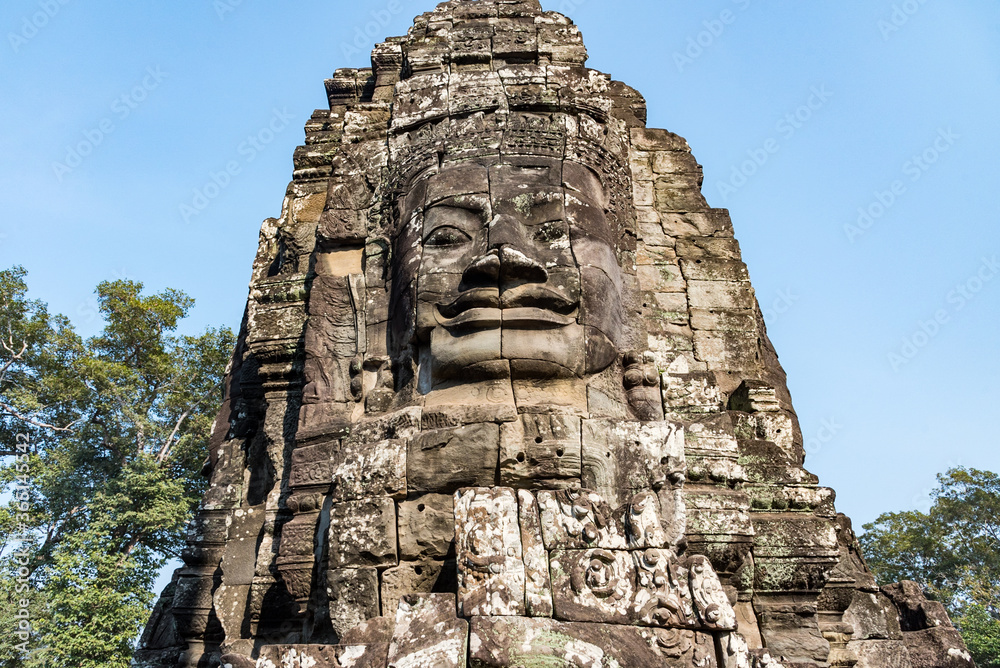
14	357
17	415
165	450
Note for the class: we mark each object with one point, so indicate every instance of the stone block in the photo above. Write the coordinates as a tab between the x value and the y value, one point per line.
323	656
469	403
562	396
650	139
491	576
363	534
666	309
712	435
240	555
631	456
790	630
416	577
916	613
682	192
710	223
540	450
940	647
754	396
428	633
580	519
537	582
693	248
663	591
667	162
363	470
427	527
230	603
544	642
710	600
353	597
789	535
723	320
720	295
881	654
593	585
310	466
727	350
873	617
642	193
695	393
712	511
445	460
661	278
734	271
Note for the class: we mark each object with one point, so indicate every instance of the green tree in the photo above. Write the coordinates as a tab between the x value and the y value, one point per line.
104	441
953	550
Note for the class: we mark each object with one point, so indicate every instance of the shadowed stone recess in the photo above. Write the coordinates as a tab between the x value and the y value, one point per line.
503	397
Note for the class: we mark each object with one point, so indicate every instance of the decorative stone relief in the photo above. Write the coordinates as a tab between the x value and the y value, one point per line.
491	575
576	519
538	584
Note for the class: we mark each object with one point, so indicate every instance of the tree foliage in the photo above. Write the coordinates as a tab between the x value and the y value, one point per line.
113	433
953	550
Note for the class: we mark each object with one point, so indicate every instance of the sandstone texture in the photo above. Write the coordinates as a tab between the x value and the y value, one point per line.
503	397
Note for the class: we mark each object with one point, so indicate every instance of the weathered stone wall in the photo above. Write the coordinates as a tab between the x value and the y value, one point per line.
503	396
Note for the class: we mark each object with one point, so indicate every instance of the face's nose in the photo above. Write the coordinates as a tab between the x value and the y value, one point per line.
505	263
503	266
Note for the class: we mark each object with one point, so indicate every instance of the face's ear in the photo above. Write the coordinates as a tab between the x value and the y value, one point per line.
414	197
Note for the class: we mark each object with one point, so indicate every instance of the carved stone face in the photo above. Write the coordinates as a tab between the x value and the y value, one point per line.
518	275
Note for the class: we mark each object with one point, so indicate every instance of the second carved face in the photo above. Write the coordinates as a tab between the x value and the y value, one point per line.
516	271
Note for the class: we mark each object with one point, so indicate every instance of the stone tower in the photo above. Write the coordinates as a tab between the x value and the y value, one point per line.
503	396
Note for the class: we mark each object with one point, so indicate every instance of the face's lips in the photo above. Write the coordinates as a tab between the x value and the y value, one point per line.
479	298
525	306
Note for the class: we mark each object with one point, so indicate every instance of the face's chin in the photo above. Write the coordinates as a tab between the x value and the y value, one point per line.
531	346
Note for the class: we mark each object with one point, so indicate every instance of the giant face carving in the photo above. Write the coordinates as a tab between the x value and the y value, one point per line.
518	274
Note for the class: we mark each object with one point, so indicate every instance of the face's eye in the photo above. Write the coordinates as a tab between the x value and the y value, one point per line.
446	236
551	231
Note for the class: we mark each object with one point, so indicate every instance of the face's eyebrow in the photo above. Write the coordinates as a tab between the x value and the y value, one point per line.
473	202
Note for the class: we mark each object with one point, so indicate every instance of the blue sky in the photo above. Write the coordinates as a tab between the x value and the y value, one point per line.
805	115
